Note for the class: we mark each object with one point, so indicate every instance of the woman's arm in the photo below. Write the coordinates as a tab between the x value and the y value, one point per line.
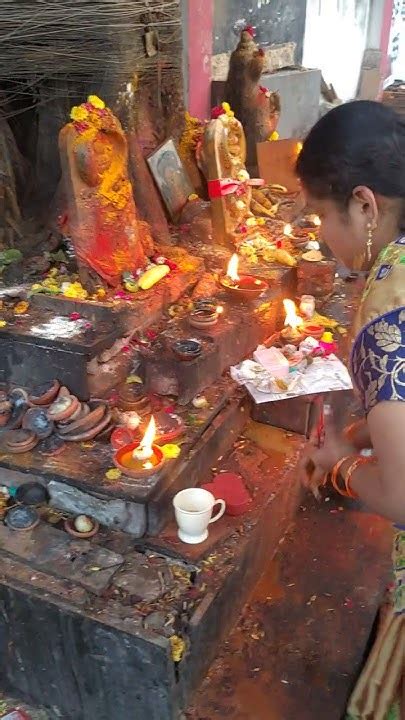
382	487
358	435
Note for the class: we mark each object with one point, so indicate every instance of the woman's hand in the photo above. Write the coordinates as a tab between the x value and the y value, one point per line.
317	462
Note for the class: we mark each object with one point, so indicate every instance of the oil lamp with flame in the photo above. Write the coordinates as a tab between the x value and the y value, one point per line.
141	459
241	287
293	331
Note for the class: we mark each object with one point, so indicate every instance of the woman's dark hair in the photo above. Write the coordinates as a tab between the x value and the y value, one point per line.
358	143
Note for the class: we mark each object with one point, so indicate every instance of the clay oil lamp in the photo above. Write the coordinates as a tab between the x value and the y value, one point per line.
44	394
241	287
169	427
37	420
204	314
22	518
18	442
293	332
187	349
128	432
142	459
89	426
63	408
82	527
313	330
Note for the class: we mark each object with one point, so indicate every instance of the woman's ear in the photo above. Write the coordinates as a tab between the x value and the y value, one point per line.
366	203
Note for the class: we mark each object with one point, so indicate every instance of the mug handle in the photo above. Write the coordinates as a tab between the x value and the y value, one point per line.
220	511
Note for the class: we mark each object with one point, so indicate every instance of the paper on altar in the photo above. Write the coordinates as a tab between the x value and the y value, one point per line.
323	375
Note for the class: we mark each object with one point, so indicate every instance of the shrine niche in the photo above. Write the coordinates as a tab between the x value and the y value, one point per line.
257	108
101	215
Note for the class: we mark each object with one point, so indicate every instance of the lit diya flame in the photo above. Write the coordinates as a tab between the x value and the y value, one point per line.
299	147
292	319
144	451
317	220
232	270
219	309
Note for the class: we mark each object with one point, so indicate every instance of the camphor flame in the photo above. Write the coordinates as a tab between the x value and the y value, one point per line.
144	451
291	317
150	434
288	230
232	270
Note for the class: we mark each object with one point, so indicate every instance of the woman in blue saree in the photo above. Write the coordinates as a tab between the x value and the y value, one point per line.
352	169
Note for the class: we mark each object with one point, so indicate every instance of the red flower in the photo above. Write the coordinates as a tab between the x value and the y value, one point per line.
263	89
250	29
216	112
74	316
279	244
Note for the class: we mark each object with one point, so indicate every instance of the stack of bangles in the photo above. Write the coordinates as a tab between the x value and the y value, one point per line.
342	483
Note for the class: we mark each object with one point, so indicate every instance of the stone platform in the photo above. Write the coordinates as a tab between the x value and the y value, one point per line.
86	626
44	343
77	482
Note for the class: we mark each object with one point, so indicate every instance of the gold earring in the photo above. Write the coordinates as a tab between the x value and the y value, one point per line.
369	241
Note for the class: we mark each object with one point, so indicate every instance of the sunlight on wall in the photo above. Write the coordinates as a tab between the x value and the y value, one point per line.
335	39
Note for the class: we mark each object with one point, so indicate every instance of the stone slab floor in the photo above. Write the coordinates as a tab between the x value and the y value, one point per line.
301	639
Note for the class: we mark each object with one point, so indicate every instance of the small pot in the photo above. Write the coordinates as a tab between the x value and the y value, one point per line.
85	422
32	494
70	528
168	427
124	455
187	349
90	433
203	318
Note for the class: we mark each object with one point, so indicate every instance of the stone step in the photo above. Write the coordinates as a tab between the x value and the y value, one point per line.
77	480
105	652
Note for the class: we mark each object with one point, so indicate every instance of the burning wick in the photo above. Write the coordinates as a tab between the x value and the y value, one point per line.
317	220
219	309
232	270
144	451
292	320
299	147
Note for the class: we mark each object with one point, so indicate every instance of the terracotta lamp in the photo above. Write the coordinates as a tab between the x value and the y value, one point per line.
142	459
241	287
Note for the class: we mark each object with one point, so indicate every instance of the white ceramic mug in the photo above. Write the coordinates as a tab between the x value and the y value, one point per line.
193	509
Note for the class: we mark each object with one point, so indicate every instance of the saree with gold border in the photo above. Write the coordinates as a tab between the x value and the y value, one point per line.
378	370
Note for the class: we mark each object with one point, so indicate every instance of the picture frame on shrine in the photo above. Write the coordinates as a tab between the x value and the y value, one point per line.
170	177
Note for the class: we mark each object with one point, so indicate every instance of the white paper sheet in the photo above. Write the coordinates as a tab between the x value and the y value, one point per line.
323	375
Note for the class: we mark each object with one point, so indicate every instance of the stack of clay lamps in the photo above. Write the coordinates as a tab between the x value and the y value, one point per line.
52	415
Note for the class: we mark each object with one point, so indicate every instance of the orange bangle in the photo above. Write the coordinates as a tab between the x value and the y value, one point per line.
335	475
353	467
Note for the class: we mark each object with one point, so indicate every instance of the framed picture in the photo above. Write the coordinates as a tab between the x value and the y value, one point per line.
170	177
